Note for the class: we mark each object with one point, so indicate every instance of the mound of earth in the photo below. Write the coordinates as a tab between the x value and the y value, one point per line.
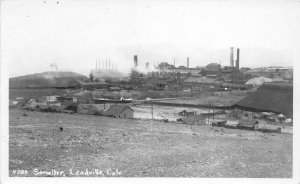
47	79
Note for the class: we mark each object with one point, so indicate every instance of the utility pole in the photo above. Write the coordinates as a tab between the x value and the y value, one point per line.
208	111
152	110
213	114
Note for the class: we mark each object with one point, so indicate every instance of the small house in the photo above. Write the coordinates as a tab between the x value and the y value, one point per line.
186	113
236	113
119	111
31	104
193	119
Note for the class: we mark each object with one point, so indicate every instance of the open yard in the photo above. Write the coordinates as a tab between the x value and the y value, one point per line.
206	100
41	142
160	112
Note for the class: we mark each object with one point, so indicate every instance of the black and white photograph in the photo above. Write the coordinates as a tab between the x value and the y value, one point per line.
149	89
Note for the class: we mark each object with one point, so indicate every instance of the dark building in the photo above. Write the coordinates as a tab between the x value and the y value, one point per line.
163	66
226	70
157	84
212	70
202	81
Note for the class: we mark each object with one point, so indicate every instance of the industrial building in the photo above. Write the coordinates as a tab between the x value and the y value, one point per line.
106	70
168	75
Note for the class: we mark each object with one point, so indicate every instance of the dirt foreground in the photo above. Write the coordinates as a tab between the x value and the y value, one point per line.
54	144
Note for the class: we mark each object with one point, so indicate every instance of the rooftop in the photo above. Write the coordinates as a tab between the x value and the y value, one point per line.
116	110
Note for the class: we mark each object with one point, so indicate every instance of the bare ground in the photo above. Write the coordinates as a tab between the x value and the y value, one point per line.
142	148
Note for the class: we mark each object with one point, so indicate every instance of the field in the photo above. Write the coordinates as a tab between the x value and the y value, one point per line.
144	148
209	100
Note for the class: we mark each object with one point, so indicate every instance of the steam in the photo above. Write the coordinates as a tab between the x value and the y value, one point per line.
54	65
145	70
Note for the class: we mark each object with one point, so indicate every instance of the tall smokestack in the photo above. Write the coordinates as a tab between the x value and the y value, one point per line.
147	65
231	56
188	62
237	62
109	64
135	58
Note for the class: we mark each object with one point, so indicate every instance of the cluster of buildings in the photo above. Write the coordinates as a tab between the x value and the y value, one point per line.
212	76
274	95
164	76
62	104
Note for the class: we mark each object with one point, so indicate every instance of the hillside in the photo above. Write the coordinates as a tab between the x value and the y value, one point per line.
142	148
46	79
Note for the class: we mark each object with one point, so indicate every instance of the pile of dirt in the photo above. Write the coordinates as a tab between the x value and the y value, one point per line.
46	80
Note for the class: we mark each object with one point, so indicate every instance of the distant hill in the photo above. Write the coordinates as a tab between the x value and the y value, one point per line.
51	79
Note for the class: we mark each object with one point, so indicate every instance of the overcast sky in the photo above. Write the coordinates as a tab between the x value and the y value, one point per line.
74	34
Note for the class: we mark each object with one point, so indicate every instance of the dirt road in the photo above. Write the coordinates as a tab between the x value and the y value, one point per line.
45	144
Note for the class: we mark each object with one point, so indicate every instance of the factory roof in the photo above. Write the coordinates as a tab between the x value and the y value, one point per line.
116	110
213	67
